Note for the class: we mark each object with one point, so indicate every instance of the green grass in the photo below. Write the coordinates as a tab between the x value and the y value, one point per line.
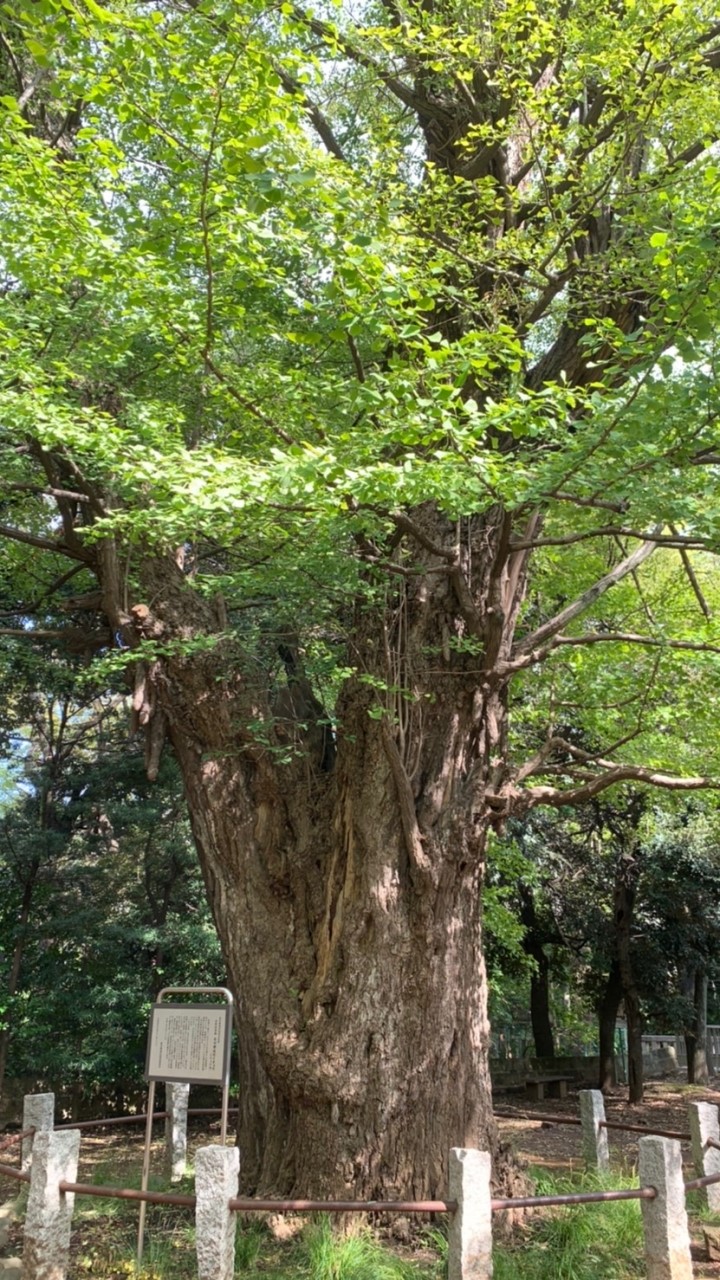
354	1257
318	1253
582	1242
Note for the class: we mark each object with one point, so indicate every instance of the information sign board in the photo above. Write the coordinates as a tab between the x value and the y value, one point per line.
189	1043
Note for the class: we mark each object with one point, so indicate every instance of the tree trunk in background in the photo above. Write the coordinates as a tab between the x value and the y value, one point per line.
16	962
698	1071
539	977
540	1009
626	880
607	1019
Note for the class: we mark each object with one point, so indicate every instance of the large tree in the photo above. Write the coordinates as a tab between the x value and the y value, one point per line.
348	363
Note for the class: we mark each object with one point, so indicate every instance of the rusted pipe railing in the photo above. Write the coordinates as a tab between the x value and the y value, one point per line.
582	1197
356	1206
708	1181
537	1115
266	1206
642	1128
211	1111
9	1171
140	1118
124	1193
603	1124
712	1142
16	1137
343	1206
110	1120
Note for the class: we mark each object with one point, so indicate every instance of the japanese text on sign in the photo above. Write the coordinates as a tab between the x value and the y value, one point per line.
188	1043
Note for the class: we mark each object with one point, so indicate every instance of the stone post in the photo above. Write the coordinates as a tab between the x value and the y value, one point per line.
470	1235
216	1182
667	1239
38	1113
703	1125
594	1135
177	1097
48	1219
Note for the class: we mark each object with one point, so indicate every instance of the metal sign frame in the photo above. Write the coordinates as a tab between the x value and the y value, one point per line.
183	991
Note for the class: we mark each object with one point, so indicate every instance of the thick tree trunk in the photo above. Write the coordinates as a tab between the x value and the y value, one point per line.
698	1071
347	891
607	1019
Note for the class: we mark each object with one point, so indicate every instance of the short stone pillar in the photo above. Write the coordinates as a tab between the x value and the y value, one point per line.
470	1234
48	1218
594	1134
177	1097
667	1239
38	1114
704	1124
216	1182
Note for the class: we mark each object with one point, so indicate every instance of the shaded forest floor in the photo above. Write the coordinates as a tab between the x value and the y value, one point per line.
104	1231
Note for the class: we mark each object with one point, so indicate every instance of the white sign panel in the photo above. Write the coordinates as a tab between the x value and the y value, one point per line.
189	1043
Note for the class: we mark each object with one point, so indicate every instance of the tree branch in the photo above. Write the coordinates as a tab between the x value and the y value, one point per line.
604	637
556	797
236	395
693	580
48	491
593	593
674	540
45	544
407	95
405	525
319	121
601	504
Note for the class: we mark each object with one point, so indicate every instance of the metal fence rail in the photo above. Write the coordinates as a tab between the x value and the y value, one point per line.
470	1205
140	1118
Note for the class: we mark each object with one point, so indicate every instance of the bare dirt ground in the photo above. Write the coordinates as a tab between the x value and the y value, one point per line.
556	1147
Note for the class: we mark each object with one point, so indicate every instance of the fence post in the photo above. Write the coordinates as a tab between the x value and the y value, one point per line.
48	1219
470	1235
594	1135
177	1097
667	1239
703	1125
38	1113
216	1182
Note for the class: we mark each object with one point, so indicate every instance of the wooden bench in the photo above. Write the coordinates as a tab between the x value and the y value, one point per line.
556	1087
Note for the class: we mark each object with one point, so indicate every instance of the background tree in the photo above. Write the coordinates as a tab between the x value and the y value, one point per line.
360	358
630	894
102	901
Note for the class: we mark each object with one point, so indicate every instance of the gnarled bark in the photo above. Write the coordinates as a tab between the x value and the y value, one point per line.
347	889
